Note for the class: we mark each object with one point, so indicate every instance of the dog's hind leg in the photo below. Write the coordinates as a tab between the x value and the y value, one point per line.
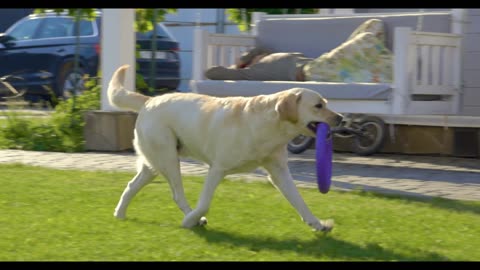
163	157
170	169
144	176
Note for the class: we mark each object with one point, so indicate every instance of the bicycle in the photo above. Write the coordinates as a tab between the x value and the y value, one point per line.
368	133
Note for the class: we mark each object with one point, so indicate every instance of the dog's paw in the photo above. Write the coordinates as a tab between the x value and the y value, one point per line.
203	221
190	222
322	226
327	225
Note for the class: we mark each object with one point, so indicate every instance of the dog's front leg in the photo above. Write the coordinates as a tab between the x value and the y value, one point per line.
282	179
214	177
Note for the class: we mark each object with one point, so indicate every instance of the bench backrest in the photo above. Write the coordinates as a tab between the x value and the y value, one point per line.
315	36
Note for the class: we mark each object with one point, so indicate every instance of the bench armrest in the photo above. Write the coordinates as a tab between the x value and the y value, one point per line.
425	63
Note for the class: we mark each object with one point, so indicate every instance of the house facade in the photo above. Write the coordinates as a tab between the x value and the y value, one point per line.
185	21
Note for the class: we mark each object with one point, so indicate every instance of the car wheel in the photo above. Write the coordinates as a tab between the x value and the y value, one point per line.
70	81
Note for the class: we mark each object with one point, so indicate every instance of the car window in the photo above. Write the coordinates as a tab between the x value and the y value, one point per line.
55	27
162	32
63	27
25	29
86	28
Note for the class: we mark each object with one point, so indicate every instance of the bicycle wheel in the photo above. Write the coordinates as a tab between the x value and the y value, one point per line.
299	144
373	136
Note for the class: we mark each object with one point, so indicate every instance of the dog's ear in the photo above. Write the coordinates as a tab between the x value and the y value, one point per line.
287	106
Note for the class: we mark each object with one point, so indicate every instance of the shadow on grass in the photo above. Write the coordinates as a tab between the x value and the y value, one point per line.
322	246
442	203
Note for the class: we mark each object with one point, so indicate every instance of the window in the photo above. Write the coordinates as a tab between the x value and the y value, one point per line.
86	28
25	30
50	27
56	27
162	32
63	27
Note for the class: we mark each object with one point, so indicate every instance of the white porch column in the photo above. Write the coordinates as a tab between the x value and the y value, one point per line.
459	22
117	48
401	69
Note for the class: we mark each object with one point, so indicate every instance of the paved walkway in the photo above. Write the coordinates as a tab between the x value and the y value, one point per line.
447	177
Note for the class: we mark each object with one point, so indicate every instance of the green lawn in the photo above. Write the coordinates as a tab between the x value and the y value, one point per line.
3	122
67	216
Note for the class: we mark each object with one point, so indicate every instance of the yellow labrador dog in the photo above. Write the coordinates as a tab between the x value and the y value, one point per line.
231	135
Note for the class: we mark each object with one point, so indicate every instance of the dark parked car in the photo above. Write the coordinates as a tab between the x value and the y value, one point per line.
37	54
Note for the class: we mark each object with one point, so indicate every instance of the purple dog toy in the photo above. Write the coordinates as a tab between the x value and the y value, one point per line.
323	153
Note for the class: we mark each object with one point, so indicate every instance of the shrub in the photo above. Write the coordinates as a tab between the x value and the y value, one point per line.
63	131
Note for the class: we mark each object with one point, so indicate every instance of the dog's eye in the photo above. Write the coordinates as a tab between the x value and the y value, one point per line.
319	106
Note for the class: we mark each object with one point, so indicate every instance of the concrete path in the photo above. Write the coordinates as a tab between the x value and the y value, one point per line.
447	177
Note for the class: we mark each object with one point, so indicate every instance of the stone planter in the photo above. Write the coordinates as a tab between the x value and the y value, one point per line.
109	131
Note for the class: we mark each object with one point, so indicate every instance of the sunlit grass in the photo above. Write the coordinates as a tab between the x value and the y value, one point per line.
62	215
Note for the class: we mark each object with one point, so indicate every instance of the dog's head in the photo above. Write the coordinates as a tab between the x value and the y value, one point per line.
305	109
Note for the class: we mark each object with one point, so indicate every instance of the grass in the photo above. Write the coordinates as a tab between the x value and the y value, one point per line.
63	215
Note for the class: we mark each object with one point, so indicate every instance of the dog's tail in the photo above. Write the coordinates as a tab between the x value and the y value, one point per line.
121	97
